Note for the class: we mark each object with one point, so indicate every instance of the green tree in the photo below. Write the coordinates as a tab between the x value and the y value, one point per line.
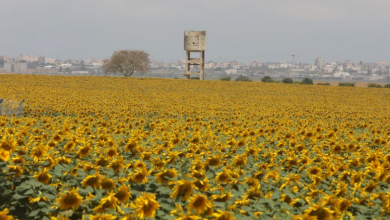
127	62
243	79
374	85
307	81
287	80
267	79
225	78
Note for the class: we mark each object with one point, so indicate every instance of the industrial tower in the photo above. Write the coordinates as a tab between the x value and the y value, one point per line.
195	42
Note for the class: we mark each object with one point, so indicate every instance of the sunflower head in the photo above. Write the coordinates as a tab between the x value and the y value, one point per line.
140	176
199	203
162	177
146	205
93	181
108	202
43	176
123	194
107	184
322	213
183	188
4	215
223	215
70	199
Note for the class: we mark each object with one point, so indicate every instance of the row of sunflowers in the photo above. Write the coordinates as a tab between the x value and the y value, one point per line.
119	148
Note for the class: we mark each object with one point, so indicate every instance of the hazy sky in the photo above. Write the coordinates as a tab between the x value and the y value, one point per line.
245	30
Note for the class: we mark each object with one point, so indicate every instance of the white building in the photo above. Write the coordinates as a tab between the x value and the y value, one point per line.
231	71
341	74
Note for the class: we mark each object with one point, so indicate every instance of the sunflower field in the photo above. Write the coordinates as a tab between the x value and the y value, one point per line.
104	148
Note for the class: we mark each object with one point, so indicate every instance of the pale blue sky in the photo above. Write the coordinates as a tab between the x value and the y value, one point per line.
243	30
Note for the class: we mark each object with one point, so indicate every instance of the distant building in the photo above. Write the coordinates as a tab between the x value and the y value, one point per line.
28	58
231	71
319	63
371	66
5	58
15	67
44	60
80	72
255	64
209	65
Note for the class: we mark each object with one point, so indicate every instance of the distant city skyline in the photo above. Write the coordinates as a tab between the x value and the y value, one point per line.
237	30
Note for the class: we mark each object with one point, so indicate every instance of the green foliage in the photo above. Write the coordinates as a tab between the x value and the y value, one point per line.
195	78
287	80
347	84
386	86
226	78
307	81
374	85
243	79
324	84
267	79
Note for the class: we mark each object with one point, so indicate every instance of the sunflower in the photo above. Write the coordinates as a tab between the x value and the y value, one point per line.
4	216
108	202
117	164
239	160
38	152
102	217
253	193
93	181
287	199
140	176
43	176
239	203
342	189
202	185
146	205
184	188
63	160
18	159
162	177
304	217
315	171
8	145
322	213
139	164
214	160
107	184
4	155
223	197
57	138
37	199
84	151
68	147
52	144
337	149
158	163
70	199
17	170
131	146
386	202
112	152
343	205
223	215
123	194
199	203
224	176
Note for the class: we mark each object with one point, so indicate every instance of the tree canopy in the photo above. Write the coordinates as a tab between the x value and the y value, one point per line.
127	62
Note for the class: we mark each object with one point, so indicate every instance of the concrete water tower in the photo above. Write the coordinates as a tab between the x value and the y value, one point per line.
195	42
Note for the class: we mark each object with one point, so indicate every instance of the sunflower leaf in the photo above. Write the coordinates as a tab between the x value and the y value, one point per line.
34	213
